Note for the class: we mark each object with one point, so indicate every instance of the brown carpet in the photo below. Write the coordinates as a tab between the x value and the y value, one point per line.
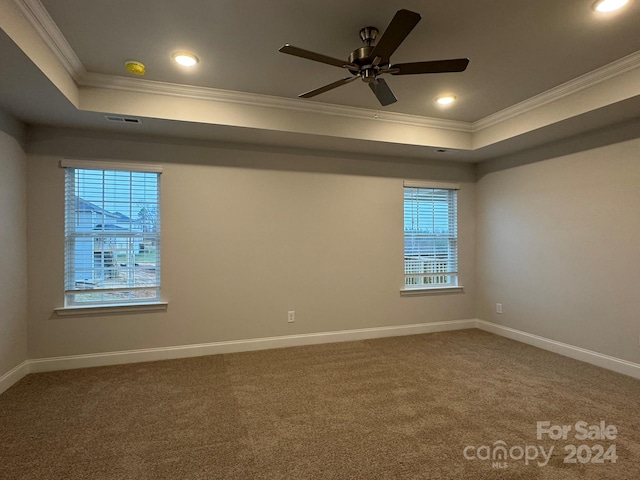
395	408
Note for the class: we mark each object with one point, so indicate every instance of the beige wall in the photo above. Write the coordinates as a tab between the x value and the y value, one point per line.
248	234
558	244
13	257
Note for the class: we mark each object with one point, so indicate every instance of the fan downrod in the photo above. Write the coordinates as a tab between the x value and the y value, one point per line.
368	35
362	56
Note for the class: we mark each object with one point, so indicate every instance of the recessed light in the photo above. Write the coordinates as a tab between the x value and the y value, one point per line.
185	59
445	99
606	6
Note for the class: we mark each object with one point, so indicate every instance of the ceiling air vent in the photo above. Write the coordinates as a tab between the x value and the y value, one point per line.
119	119
444	151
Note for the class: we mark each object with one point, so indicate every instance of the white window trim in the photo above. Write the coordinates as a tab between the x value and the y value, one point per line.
435	290
101	165
415	292
423	184
111	309
105	309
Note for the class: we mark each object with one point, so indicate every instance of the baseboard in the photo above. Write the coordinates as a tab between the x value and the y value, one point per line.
14	376
184	351
605	361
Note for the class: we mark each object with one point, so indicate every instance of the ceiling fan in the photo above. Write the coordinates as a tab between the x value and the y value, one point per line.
371	61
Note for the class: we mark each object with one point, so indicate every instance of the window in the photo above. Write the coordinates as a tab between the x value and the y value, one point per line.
430	235
112	233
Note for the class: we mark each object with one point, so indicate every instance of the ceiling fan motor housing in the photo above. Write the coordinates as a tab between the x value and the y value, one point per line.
362	58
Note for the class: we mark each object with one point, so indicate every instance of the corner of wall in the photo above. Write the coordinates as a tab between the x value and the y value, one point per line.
13	271
13	127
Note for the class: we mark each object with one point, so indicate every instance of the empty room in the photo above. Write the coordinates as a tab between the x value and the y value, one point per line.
319	240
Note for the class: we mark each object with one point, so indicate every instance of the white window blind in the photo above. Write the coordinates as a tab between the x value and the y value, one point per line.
112	233
430	235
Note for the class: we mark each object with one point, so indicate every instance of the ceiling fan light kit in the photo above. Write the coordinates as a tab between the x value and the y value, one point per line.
371	61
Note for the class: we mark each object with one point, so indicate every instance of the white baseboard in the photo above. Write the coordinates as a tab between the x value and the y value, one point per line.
14	376
183	351
605	361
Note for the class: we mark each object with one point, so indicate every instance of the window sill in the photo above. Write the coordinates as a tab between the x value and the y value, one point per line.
111	309
410	292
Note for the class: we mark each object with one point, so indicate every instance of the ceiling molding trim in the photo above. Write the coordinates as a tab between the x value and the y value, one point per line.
600	75
44	26
48	31
98	80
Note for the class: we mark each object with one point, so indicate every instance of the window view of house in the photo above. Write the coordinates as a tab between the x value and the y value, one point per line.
430	237
112	236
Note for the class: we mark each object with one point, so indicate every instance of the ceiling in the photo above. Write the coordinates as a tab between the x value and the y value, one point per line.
538	73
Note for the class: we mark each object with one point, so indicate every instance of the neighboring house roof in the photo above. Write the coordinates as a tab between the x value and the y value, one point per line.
110	227
121	216
83	205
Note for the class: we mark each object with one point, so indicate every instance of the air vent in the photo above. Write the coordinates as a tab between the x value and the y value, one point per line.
444	151
119	119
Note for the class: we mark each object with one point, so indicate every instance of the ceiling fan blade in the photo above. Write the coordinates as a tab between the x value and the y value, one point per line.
400	26
326	88
316	57
437	66
382	92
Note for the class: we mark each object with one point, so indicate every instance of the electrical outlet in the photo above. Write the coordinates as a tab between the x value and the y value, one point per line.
291	316
498	308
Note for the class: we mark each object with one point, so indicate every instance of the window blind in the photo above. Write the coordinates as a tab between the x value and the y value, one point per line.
112	234
430	236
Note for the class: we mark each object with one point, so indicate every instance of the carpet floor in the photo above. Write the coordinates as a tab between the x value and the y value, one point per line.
451	405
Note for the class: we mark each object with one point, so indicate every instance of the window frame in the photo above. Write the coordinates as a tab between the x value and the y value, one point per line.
71	304
453	285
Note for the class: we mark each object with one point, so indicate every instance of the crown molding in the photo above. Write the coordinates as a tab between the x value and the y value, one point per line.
138	85
45	27
595	77
38	17
48	31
